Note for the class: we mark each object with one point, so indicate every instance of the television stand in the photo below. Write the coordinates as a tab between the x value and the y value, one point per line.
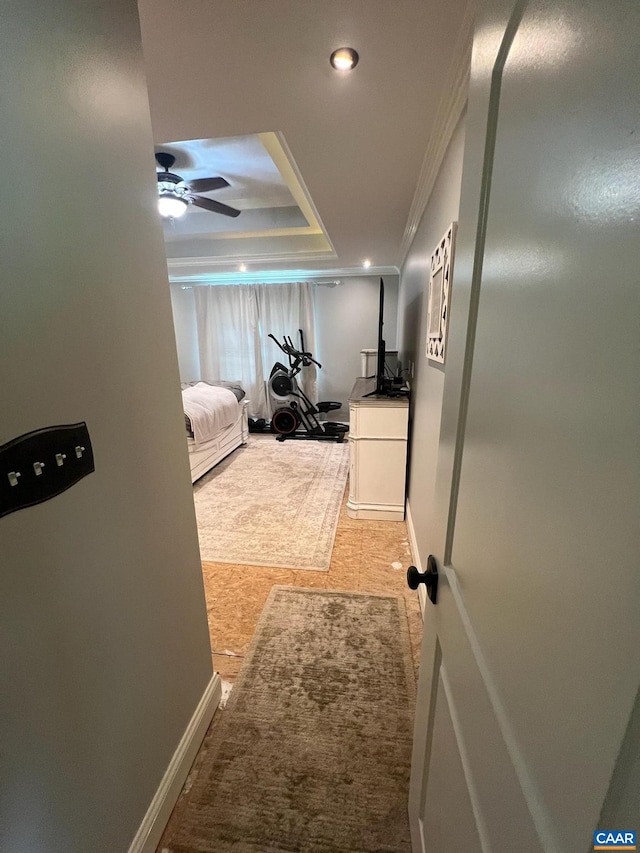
378	433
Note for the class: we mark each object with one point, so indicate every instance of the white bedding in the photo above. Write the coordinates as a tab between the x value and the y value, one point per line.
210	409
191	443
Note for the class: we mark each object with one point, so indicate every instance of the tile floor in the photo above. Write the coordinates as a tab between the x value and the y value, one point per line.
368	556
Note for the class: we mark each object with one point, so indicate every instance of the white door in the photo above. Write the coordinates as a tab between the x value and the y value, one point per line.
531	655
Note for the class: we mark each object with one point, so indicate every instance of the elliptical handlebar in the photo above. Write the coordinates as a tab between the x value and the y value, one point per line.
277	342
295	415
289	350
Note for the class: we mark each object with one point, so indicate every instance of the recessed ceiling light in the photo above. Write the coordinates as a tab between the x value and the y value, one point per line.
344	59
366	263
242	267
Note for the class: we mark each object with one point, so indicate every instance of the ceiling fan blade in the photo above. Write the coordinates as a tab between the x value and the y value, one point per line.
205	185
214	206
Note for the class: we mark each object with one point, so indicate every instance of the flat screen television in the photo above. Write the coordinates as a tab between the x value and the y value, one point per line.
382	383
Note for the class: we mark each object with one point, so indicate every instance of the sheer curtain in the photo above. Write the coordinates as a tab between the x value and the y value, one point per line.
233	324
229	339
284	309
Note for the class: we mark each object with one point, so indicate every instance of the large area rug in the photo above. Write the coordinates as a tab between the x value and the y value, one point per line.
312	753
273	503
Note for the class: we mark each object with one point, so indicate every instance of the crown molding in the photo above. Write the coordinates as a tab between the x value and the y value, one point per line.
279	276
243	258
447	115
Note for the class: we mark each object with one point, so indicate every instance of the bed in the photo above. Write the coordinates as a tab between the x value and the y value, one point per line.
216	419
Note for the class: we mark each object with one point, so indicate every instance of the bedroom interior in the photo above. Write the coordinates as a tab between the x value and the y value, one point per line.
329	204
501	135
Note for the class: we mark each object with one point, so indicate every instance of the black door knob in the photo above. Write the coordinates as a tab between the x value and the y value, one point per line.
428	578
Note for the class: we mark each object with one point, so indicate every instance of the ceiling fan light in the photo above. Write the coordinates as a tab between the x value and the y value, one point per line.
172	207
344	59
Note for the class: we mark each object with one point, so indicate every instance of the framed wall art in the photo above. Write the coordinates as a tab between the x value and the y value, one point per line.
440	281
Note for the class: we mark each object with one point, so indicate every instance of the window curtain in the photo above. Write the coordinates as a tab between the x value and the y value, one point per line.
234	322
229	339
284	309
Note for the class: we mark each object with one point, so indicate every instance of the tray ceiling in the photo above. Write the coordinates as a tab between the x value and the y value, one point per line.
231	71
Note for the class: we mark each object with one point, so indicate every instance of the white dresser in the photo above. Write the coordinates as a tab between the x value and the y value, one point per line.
378	431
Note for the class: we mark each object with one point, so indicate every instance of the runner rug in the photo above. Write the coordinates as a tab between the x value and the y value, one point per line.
313	750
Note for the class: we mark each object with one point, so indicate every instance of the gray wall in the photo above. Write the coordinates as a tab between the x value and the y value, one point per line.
346	322
183	305
105	651
428	377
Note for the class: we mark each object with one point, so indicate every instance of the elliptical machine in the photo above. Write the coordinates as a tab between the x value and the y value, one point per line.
295	416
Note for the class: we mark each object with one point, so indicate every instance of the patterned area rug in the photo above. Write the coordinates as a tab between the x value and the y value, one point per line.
273	503
313	750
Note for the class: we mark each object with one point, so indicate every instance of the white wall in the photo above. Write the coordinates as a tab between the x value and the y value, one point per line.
346	322
428	378
105	649
183	305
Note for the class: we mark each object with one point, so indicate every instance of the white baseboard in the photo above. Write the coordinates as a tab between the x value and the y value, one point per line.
422	592
151	829
375	512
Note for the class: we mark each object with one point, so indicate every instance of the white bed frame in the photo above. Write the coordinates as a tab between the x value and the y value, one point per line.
205	456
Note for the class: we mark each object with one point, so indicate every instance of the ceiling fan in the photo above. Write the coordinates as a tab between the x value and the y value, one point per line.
175	194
